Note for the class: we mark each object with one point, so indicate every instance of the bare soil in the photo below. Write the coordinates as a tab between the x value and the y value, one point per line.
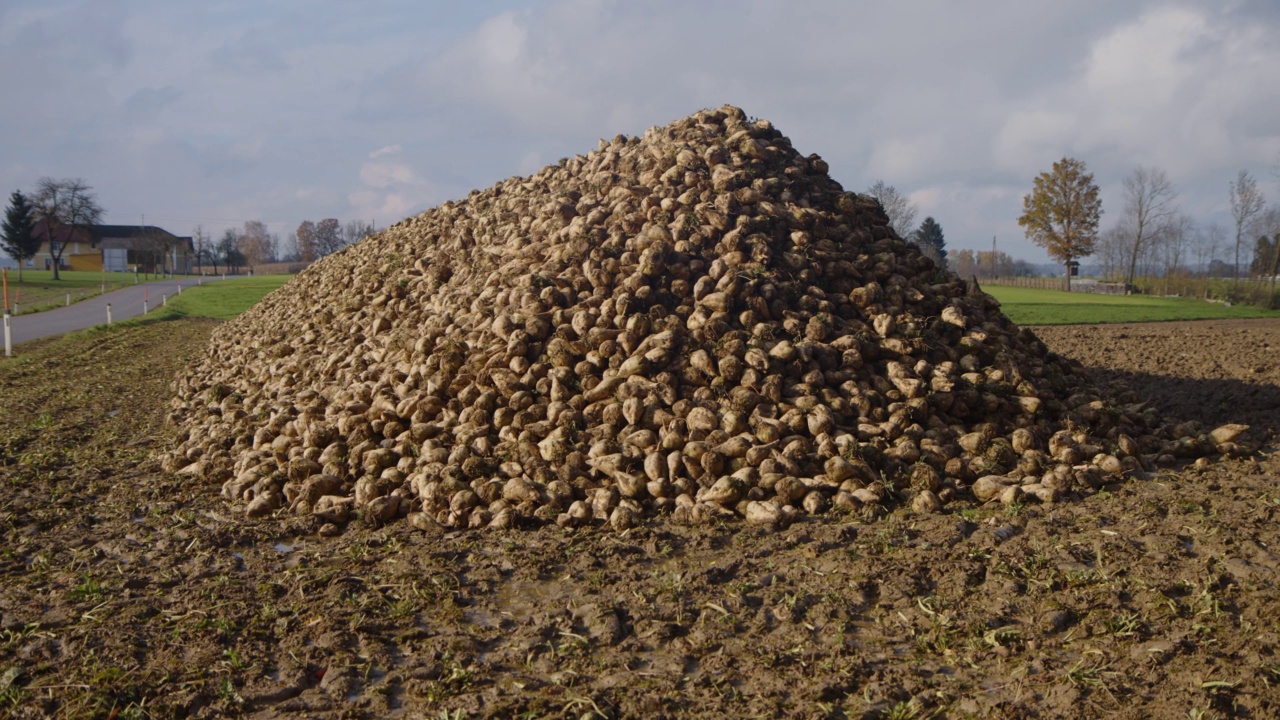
129	592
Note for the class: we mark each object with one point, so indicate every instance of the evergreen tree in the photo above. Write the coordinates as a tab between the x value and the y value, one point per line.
929	237
17	234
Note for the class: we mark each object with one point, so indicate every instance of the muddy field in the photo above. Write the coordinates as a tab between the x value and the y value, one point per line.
127	592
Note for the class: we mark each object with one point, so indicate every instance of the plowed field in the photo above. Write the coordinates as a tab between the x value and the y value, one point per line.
129	592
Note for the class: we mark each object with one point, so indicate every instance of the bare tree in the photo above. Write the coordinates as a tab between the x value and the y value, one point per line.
1112	250
355	231
901	211
1175	236
154	246
1148	204
306	235
201	240
289	249
65	207
229	250
1208	242
255	242
1246	203
328	237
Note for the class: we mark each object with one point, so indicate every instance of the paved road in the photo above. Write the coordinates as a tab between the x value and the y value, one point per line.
125	304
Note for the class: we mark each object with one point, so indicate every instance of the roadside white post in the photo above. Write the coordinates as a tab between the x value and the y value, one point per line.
144	307
164	301
8	338
68	298
108	313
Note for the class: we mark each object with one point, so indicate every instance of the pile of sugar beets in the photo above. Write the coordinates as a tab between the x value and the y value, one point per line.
699	323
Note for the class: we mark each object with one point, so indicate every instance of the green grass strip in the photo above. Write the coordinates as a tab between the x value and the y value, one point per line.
1029	306
221	299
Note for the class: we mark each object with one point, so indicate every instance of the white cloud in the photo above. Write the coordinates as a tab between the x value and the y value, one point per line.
385	174
1032	137
385	208
906	156
390	188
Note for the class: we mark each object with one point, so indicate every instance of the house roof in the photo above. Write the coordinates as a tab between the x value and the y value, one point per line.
115	236
103	232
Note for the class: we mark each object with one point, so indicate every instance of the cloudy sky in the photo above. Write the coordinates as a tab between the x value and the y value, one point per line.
223	111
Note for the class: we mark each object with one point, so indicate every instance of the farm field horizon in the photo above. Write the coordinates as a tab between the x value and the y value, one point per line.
1025	306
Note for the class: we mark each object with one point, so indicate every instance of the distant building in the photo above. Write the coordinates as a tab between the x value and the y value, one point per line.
116	248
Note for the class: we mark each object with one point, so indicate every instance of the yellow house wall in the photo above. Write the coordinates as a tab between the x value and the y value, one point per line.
86	261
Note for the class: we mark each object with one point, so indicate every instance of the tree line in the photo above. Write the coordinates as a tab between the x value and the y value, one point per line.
254	244
58	208
1152	237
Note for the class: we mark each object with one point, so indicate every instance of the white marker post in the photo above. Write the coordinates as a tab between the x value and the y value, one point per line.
108	313
8	337
164	301
68	298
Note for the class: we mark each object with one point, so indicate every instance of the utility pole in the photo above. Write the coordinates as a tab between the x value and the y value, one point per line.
993	257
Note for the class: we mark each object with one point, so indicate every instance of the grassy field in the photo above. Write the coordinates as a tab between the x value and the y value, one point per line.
1027	306
221	300
39	291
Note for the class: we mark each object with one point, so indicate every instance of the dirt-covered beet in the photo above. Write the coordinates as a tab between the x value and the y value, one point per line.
697	323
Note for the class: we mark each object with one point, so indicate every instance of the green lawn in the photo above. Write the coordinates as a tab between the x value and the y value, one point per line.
1027	306
221	299
39	291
